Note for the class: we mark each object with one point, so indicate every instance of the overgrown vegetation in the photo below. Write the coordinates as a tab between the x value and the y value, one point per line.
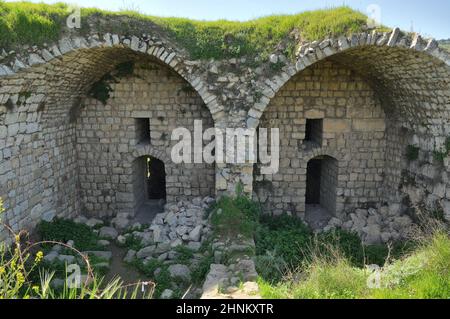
33	24
62	230
24	274
440	154
234	216
412	153
284	243
101	90
424	273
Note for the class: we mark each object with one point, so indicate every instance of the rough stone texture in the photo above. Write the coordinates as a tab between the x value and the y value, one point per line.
353	173
402	81
225	277
109	146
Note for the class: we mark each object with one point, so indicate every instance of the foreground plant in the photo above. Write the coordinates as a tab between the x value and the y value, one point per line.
423	274
20	260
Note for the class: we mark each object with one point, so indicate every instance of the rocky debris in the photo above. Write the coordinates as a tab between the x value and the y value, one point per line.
51	257
93	222
146	252
66	259
181	224
375	226
106	255
120	222
167	294
130	256
235	279
121	240
225	281
103	243
181	272
108	233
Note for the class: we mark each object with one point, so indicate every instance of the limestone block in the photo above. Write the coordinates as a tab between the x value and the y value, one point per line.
375	125
336	126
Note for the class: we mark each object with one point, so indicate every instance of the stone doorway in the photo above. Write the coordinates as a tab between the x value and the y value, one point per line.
321	189
149	186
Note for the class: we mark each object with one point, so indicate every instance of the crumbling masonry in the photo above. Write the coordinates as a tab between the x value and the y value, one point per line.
351	106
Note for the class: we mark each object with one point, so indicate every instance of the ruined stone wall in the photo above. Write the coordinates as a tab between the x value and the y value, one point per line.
107	140
353	133
42	89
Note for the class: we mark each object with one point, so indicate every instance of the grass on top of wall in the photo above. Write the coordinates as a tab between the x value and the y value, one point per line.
34	24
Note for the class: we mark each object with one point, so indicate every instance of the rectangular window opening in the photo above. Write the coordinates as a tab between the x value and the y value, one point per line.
142	130
314	131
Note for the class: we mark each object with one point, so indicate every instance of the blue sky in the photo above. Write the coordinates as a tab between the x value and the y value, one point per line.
430	17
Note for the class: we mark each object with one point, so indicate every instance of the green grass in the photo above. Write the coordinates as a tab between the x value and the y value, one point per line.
423	274
285	243
232	217
33	24
29	23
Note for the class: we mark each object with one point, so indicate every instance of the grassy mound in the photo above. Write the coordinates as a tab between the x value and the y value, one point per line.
33	24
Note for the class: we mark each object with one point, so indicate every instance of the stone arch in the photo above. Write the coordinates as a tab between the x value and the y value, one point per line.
46	88
401	68
69	53
409	79
147	150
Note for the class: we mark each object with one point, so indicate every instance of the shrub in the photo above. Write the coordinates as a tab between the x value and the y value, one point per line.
234	216
283	236
412	153
423	274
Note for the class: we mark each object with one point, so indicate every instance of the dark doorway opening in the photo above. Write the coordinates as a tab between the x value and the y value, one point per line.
156	179
322	182
149	186
321	191
313	179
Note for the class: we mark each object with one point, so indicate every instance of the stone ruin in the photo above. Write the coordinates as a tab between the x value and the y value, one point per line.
364	129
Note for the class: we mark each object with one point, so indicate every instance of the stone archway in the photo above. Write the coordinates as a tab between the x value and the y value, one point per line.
380	98
149	185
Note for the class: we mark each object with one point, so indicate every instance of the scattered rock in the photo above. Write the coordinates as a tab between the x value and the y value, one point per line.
106	255
93	222
130	256
121	240
195	234
108	233
179	271
80	220
167	294
194	246
51	257
66	259
146	252
103	243
120	223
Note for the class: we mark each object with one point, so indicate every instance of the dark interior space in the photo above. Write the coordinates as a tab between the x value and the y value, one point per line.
314	129
313	178
156	179
142	130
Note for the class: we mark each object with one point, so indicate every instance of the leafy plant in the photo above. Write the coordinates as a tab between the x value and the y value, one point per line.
235	216
412	153
61	230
